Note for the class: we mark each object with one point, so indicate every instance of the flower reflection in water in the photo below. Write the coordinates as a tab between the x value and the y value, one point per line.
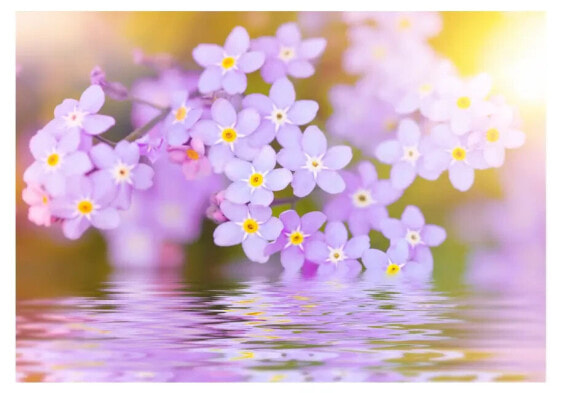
156	327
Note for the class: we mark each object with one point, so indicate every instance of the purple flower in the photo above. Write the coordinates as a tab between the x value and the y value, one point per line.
252	226
406	155
182	117
227	132
226	67
115	90
121	166
336	254
280	113
86	203
412	231
395	264
297	233
314	164
456	155
288	54
363	203
194	163
255	182
81	115
55	160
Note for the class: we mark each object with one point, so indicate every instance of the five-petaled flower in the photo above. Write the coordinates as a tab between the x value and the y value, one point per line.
313	163
183	115
225	67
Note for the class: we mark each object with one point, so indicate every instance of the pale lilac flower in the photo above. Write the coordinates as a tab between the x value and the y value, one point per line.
150	145
409	25
288	54
406	155
255	182
297	233
280	113
213	212
412	231
121	166
39	204
55	160
194	163
496	133
86	203
461	103
252	226
81	115
455	154
337	254
227	132
225	67
363	203
183	115
395	264
314	164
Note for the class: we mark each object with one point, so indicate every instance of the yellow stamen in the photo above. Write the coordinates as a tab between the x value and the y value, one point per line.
392	269
45	200
296	238
228	62
85	207
459	153
181	113
463	102
256	180
53	159
250	225
404	24
492	135
229	135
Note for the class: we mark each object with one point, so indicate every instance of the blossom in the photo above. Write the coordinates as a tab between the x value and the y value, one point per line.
461	103
496	133
194	163
288	54
225	67
336	253
251	225
395	264
227	132
213	212
122	167
314	164
182	117
255	182
412	231
363	203
406	155
280	113
296	234
409	25
86	203
81	115
456	155
39	204
55	160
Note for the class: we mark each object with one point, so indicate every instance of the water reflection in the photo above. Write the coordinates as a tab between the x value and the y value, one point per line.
156	327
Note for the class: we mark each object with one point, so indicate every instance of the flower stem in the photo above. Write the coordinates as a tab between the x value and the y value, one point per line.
141	131
107	141
285	201
144	102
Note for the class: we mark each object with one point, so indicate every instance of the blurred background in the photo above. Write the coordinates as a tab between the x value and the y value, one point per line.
497	228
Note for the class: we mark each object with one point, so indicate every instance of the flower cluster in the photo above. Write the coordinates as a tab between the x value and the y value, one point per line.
203	147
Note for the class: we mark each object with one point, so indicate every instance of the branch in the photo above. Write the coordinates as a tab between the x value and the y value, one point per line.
141	131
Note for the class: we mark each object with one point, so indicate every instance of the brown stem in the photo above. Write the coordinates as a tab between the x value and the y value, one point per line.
285	201
141	131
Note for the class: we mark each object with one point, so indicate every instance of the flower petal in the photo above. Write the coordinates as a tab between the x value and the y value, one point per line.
412	217
228	234
278	179
330	182
433	235
107	218
254	248
248	121
271	229
92	99
289	34
265	160
316	251
208	54
233	211
142	176
356	246
312	48
292	159
303	183
234	82
402	175
461	176
336	234
290	219
337	157
251	61
97	124
282	93
238	169
292	259
237	41
314	142
389	152
238	192
210	80
303	112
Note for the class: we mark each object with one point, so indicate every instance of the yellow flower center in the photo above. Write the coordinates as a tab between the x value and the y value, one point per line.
404	24
192	154
390	124
296	238
85	207
286	53
228	62
250	225
459	153
181	113
229	135
392	269
53	159
425	88
256	180
492	135
362	198
463	102
45	200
